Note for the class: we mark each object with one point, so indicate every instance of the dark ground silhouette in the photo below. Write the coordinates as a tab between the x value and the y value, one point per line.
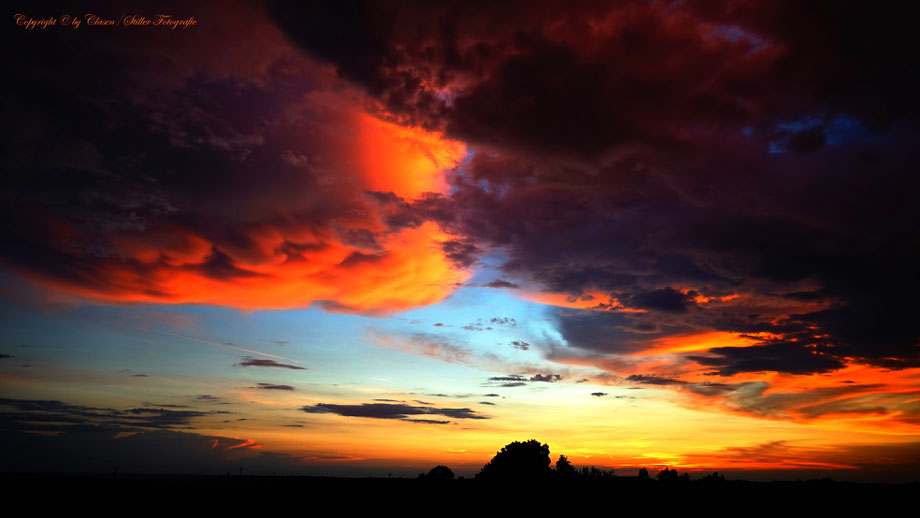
517	481
601	496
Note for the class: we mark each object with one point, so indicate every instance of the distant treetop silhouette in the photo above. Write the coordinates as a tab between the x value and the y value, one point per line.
670	475
565	468
439	474
517	461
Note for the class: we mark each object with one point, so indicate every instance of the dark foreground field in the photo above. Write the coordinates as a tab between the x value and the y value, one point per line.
317	496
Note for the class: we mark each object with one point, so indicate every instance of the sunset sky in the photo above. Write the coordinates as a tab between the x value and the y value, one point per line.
367	238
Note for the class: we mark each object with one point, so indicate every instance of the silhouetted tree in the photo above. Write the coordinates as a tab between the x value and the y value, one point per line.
565	468
643	474
667	475
440	474
517	461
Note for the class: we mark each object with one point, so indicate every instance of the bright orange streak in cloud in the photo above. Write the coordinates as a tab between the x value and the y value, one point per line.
699	342
593	300
407	161
248	443
411	271
700	299
598	301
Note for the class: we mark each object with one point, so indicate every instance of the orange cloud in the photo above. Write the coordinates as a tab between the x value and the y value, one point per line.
407	161
700	342
591	300
411	270
272	252
857	398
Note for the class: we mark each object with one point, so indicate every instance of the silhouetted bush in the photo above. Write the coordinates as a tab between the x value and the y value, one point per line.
438	474
518	461
670	475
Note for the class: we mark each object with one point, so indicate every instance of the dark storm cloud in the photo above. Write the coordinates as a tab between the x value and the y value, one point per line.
665	299
609	331
581	104
791	358
562	86
392	411
131	171
249	361
777	164
100	166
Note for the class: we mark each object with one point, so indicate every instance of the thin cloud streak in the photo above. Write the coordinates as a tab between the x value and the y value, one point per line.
229	346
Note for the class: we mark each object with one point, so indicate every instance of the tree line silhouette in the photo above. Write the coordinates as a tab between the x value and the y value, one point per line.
530	461
519	480
522	479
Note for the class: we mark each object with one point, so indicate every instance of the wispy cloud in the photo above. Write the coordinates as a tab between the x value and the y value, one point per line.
272	386
56	416
400	412
249	361
228	346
